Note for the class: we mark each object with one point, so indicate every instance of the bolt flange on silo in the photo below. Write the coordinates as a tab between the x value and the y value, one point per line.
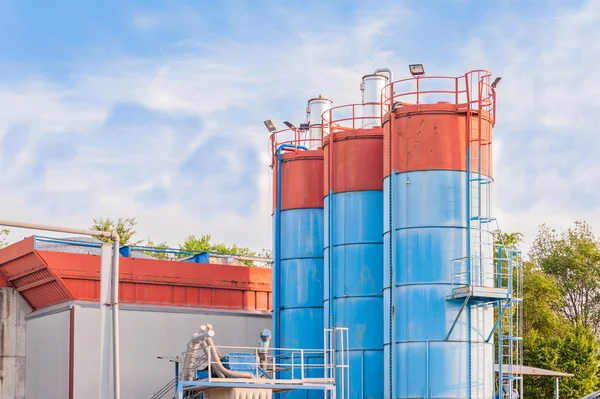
353	147
437	346
298	242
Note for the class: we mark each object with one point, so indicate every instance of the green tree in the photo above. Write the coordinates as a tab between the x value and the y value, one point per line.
3	240
203	244
578	355
125	227
542	300
540	350
157	255
561	310
572	258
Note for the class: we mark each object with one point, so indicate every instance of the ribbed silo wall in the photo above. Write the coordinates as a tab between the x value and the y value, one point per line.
425	241
298	269
353	268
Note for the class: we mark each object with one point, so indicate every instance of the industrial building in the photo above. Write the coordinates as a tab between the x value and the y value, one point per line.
51	327
404	218
386	281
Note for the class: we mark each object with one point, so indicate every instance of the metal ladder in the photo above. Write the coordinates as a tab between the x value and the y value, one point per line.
510	324
481	227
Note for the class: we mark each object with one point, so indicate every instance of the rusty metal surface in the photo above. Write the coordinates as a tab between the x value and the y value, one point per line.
45	278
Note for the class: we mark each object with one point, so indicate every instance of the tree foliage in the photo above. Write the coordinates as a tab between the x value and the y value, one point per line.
574	350
125	227
561	284
157	255
203	244
3	240
573	259
542	300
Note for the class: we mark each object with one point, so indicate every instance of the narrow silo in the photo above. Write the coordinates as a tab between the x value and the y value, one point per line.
298	239
439	274
353	252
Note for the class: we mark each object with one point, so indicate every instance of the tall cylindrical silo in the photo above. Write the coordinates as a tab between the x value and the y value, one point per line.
353	242
298	247
437	342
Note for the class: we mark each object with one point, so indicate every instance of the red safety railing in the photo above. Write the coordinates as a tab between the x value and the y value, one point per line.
351	117
472	91
299	137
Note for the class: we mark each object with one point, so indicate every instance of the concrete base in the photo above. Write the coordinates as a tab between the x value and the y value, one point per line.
13	310
238	393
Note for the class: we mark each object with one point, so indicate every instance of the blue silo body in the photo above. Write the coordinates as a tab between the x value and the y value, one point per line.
435	345
353	270
298	264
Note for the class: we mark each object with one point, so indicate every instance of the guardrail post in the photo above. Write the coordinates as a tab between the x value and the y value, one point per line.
302	364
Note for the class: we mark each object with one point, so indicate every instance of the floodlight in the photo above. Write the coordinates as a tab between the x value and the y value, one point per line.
304	126
288	124
416	69
270	125
496	81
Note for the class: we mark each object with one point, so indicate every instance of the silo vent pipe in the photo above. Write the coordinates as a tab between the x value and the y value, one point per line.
216	363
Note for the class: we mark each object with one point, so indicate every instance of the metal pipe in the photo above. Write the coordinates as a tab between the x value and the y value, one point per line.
219	366
58	229
209	357
115	318
372	86
115	282
277	241
191	356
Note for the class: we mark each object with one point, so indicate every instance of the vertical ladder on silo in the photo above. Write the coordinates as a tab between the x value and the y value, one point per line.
509	330
477	289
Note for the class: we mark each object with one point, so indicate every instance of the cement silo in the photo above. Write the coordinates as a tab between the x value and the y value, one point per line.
298	237
353	253
439	277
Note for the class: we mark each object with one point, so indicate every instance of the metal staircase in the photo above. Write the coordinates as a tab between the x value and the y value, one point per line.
489	274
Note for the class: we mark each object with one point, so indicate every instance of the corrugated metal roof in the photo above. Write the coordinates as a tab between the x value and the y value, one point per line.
55	272
527	370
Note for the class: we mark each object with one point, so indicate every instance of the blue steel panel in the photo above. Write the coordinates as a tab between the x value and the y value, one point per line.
357	277
301	328
423	313
357	270
365	383
302	233
427	254
357	217
300	285
429	232
304	278
430	198
300	289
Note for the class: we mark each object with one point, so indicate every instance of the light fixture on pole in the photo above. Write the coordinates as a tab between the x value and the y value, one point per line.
416	69
270	125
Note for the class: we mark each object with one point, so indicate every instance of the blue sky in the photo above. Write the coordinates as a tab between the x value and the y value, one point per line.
154	109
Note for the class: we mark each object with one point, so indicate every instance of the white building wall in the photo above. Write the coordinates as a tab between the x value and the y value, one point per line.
13	310
47	369
145	334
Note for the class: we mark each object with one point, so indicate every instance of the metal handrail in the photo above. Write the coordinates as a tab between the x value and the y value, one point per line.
165	389
464	94
142	248
295	137
333	122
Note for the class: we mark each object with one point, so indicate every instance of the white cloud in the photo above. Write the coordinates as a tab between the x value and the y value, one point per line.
229	87
546	163
548	103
